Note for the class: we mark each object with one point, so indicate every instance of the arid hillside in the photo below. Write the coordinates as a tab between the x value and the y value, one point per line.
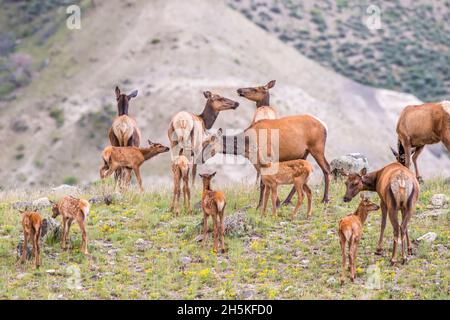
55	128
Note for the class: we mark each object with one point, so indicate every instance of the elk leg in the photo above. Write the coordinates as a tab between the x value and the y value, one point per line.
344	256
324	165
138	177
407	147
352	258
274	192
38	248
84	239
309	196
35	250
396	227
205	230
194	172
289	197
64	231
379	249
175	182
265	199
216	231
222	231
299	188
414	159
406	215
188	194
24	247
261	194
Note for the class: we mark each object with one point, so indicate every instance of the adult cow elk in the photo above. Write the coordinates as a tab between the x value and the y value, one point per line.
124	131
298	136
420	125
188	130
398	189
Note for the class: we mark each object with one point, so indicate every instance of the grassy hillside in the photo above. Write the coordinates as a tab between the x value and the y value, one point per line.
141	251
407	54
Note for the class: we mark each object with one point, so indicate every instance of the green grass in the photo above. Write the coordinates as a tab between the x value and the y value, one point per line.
276	259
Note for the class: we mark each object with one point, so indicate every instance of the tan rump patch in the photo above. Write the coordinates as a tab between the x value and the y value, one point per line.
446	105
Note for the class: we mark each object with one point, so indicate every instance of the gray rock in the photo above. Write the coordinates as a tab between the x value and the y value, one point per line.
185	260
428	237
439	200
236	224
142	245
433	213
350	163
23	205
41	203
65	189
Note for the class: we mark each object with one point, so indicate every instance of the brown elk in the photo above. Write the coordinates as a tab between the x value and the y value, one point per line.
131	158
261	96
32	225
298	136
350	232
72	209
418	126
188	130
124	130
180	170
213	204
398	189
294	172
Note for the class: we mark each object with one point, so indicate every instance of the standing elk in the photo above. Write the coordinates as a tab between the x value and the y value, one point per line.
296	172
418	126
188	130
72	209
298	136
261	96
32	225
398	189
180	170
213	204
350	232
124	131
130	158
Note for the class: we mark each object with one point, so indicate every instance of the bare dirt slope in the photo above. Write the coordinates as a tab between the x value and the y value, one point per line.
171	51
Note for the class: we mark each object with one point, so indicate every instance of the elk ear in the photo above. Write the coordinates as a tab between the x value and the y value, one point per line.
219	132
117	92
362	196
270	85
149	142
207	94
133	94
213	174
201	175
394	152
363	172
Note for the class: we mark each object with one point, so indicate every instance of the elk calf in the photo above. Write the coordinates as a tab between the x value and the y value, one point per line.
31	224
180	170
294	172
115	158
71	209
213	204
350	232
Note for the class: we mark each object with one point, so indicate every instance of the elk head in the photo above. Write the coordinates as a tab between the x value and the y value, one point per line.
122	101
207	177
157	147
55	210
400	156
354	184
219	103
367	205
260	95
211	145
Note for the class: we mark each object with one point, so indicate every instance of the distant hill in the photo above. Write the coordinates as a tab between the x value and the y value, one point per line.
410	53
53	129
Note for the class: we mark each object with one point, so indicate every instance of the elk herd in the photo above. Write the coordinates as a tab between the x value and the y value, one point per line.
278	148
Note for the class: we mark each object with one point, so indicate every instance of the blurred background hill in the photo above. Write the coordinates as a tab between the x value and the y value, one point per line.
57	85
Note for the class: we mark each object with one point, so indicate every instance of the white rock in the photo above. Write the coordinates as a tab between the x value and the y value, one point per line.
65	189
428	237
41	203
439	200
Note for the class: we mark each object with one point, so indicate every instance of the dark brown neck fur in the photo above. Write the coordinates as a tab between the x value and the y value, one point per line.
264	102
122	106
208	115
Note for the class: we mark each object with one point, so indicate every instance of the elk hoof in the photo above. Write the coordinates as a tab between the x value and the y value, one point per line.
342	281
379	252
326	200
419	178
222	251
404	260
393	262
410	251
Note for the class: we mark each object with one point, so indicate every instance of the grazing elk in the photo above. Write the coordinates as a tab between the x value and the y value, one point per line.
294	172
180	170
298	136
398	189
350	232
213	204
32	225
124	130
131	158
418	126
70	209
188	130
261	96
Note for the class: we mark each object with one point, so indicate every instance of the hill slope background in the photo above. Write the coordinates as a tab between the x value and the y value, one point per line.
54	129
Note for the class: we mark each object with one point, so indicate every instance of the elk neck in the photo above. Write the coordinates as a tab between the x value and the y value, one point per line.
208	115
122	107
148	152
361	213
264	102
370	181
